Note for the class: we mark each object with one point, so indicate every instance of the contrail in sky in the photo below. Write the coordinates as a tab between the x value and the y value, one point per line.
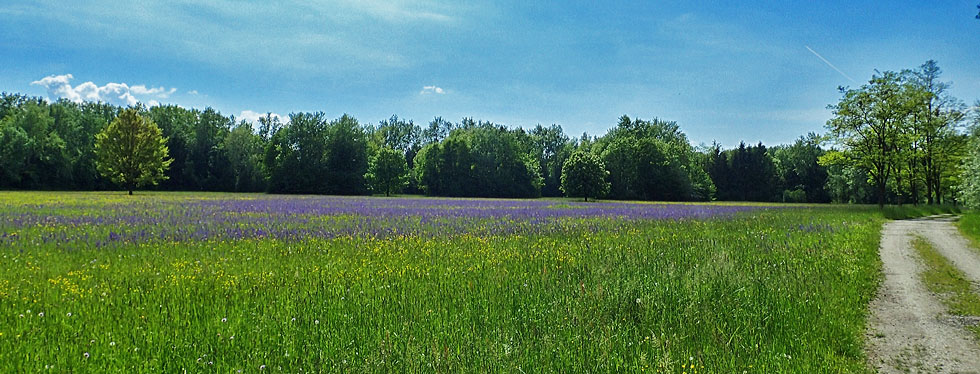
829	64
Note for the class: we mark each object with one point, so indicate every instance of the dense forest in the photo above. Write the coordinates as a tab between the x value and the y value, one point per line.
900	138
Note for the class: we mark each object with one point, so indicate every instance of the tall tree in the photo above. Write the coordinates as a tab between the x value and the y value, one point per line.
480	159
387	171
347	157
799	170
847	182
207	165
132	151
244	149
34	154
177	125
746	173
269	125
296	155
935	127
652	160
970	184
552	147
397	133
868	122
437	130
584	175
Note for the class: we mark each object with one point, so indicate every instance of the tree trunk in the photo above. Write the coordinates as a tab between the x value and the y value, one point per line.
913	186
881	195
898	186
130	192
929	172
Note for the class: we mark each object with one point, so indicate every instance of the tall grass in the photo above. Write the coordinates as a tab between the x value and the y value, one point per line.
948	282
916	211
970	226
776	290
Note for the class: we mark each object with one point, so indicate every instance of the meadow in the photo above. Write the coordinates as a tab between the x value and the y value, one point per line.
166	282
969	225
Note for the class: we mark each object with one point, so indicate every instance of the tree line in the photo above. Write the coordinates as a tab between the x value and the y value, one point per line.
904	131
897	139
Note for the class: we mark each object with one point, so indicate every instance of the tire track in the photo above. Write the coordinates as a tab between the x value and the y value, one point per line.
909	330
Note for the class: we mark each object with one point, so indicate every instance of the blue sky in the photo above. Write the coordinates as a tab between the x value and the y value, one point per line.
724	71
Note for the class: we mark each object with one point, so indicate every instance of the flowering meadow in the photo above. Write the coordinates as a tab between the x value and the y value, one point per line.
168	282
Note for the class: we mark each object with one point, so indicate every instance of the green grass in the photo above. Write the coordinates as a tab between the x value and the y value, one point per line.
969	224
913	211
945	280
778	290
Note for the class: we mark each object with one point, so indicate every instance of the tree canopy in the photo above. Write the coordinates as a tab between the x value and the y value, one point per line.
131	151
387	171
971	163
584	175
652	160
902	130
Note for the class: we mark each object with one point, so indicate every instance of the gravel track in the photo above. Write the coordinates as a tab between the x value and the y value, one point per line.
909	329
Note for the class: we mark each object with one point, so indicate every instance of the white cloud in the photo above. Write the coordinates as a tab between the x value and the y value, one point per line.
432	90
193	92
59	86
160	92
253	117
399	11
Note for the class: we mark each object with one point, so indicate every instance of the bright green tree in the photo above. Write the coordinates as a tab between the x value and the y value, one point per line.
971	176
387	171
131	151
584	175
970	182
869	122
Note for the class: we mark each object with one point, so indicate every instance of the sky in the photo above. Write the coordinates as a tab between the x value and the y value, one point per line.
725	71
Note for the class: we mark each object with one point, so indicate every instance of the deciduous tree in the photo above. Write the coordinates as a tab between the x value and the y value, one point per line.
970	183
131	151
868	122
347	157
387	171
584	175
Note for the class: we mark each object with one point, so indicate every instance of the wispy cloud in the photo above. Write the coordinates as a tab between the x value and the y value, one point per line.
322	36
829	64
59	86
432	90
399	11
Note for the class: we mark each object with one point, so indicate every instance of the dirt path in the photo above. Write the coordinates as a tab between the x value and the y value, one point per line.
946	238
909	328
